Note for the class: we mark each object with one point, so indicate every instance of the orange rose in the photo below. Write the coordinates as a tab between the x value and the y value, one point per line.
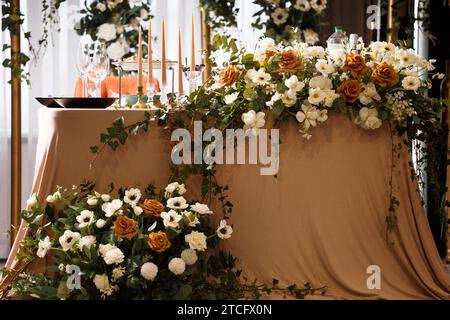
290	61
125	227
152	208
228	76
356	64
384	75
158	241
350	90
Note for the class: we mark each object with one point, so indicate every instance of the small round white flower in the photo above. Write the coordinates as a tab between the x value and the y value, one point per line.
100	223
149	271
69	239
177	266
54	197
132	196
411	83
189	256
177	203
229	99
171	219
224	231
106	197
87	241
106	31
101	282
32	201
279	16
114	256
201	208
92	201
196	240
44	245
85	219
368	118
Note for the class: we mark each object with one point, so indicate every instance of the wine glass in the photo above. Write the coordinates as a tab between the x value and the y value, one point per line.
98	66
82	65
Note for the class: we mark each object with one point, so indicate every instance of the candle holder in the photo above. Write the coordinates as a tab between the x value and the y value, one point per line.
150	91
140	104
193	76
163	94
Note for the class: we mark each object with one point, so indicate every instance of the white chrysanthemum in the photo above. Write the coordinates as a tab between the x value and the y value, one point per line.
177	266
279	16
171	219
112	208
92	201
311	37
54	197
132	196
324	67
104	248
302	5
368	94
69	239
316	96
43	247
85	219
229	99
368	118
294	84
321	82
149	271
87	241
196	240
261	77
315	52
106	31
32	201
114	256
106	197
100	223
189	256
101	282
201	208
253	121
192	218
411	83
177	203
224	230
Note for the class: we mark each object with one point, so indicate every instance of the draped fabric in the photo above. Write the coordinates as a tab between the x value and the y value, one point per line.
321	220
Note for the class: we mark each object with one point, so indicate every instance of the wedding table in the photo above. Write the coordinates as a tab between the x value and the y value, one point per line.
321	219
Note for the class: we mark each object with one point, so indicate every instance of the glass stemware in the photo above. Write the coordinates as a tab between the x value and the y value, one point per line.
82	65
98	67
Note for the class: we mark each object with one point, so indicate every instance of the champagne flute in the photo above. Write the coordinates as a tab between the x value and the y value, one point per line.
82	65
98	66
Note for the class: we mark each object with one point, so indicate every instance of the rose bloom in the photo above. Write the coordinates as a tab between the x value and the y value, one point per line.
384	75
158	241
356	64
290	60
350	90
125	227
152	208
228	76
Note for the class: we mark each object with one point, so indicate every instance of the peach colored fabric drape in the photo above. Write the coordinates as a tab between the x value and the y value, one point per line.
110	86
320	220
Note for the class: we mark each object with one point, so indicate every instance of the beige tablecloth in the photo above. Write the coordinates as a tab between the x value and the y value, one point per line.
320	220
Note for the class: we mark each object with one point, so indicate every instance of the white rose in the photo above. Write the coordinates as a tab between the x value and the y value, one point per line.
177	266
149	271
196	240
189	256
104	248
315	52
101	282
106	197
92	201
107	31
373	123
116	50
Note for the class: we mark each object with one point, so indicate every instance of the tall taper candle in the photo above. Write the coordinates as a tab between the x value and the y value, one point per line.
163	56
150	49
140	84
193	46
180	66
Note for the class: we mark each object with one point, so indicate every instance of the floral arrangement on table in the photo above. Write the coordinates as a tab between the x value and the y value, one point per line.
283	20
114	22
140	245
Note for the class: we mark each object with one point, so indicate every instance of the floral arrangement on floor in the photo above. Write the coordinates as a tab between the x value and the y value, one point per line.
140	245
283	20
114	22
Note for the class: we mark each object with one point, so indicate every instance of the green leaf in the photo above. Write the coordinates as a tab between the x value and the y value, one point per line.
94	149
184	292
